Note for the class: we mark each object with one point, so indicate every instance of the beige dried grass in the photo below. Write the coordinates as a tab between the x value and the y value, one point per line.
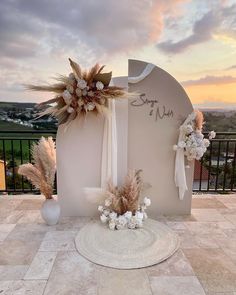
42	173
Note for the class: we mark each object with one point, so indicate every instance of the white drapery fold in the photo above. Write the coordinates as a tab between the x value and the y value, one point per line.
180	176
109	147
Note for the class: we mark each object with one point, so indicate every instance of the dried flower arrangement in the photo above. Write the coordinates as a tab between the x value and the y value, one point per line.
192	140
79	93
42	173
122	208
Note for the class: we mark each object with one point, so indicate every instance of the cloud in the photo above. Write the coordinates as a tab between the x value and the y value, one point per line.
219	20
210	80
27	26
230	68
202	32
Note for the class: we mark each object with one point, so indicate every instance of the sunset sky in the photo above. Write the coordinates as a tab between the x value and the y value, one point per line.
195	41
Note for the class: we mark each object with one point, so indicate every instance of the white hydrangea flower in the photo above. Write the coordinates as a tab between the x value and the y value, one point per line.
108	202
212	135
128	214
182	144
103	218
70	110
100	208
66	96
112	225
147	201
99	85
189	129
81	83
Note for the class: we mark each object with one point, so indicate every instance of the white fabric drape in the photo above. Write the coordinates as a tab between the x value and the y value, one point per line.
180	176
109	147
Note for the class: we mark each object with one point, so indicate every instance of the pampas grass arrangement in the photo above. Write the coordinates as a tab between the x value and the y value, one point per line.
126	197
79	93
42	173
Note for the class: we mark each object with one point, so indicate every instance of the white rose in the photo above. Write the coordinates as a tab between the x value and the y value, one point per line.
99	85
70	88
80	102
103	218
81	83
128	214
100	208
206	142
108	202
90	106
212	135
70	110
78	92
147	201
112	224
132	225
66	96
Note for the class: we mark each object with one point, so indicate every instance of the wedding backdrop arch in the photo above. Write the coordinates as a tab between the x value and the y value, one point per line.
140	135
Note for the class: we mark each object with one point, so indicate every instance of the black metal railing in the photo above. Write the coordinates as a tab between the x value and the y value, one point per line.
216	172
15	149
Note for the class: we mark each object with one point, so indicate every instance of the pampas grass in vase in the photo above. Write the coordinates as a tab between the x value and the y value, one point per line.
42	176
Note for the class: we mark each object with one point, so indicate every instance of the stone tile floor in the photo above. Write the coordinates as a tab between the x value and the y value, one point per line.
39	259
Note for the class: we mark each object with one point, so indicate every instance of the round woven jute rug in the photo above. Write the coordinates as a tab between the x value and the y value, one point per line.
127	248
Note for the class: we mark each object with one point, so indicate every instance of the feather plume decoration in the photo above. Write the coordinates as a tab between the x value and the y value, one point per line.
126	197
79	93
42	173
199	120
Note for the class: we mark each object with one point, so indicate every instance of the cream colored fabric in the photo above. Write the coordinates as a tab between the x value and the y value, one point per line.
180	176
109	147
127	249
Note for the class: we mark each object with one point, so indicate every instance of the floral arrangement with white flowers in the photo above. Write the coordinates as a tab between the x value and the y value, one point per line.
191	138
121	208
79	93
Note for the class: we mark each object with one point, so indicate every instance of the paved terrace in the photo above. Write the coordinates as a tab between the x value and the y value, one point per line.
37	259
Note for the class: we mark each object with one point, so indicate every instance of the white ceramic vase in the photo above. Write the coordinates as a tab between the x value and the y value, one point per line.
50	211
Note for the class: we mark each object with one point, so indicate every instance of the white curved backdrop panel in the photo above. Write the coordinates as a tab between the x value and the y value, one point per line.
154	118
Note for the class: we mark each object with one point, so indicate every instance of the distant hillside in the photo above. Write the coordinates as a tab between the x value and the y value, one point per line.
6	106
